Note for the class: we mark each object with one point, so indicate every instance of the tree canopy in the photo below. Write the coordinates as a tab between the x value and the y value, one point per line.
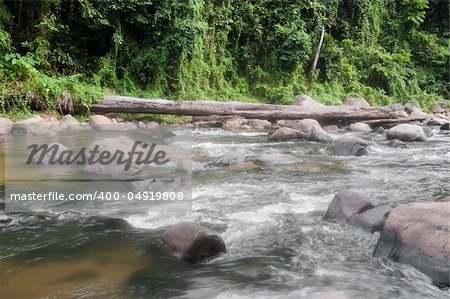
385	50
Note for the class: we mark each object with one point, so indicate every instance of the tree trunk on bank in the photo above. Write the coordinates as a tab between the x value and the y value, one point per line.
326	115
316	57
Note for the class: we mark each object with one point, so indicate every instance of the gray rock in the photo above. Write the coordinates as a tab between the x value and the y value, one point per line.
312	129
345	205
414	111
418	234
69	120
38	129
100	120
348	146
306	101
406	132
125	126
360	128
331	128
397	143
436	121
141	125
152	124
191	242
285	133
258	123
358	102
234	124
371	220
188	125
5	126
55	149
445	127
113	169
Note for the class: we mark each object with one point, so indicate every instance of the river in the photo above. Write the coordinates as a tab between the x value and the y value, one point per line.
269	216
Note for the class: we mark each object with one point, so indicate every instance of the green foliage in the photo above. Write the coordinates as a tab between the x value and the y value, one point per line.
386	51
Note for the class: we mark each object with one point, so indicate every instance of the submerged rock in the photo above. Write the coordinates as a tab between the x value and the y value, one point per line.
285	133
348	146
419	234
199	154
191	242
312	129
345	205
229	158
189	166
55	149
275	158
396	143
407	132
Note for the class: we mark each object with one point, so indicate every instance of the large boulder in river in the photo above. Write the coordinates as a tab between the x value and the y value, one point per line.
419	234
312	129
354	209
191	242
285	133
345	205
348	146
407	132
306	101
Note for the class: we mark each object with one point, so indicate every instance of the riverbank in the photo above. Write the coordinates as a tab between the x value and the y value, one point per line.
125	121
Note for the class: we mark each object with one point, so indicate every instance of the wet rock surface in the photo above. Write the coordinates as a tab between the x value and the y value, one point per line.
419	234
407	132
191	242
348	146
345	205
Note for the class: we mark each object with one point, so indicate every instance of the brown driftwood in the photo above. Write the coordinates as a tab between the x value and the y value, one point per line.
327	114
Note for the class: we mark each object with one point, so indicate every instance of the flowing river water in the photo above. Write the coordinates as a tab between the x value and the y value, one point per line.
269	216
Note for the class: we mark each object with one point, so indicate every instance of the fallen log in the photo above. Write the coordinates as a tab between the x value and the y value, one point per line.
387	123
325	115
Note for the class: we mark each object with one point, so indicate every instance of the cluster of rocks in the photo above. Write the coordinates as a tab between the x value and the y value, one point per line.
38	125
414	233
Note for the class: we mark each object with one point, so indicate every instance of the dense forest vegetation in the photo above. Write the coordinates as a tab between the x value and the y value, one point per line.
52	51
